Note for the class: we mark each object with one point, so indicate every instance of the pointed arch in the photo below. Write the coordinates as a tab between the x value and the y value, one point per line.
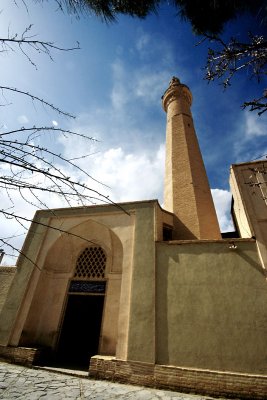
42	323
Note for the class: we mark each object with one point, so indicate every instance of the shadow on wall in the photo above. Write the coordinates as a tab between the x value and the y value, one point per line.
180	231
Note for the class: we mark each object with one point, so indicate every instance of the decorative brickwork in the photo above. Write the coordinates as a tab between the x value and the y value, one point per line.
91	264
213	383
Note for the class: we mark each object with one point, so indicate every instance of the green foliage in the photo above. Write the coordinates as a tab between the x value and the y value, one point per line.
108	9
205	16
210	16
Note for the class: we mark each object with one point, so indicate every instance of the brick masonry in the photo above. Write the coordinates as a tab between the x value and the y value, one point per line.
213	383
19	355
186	188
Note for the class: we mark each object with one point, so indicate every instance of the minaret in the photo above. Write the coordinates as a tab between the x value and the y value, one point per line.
186	188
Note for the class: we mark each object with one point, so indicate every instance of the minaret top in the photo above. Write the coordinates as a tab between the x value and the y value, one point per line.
176	90
174	81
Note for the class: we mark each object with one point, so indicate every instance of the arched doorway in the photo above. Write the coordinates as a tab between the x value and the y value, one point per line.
81	326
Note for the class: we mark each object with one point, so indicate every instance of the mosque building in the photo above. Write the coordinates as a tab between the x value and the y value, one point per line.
149	295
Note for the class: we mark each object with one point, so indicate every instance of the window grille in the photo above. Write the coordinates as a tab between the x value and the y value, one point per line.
91	264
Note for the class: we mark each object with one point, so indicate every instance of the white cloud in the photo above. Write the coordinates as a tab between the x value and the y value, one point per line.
154	50
144	82
222	201
22	119
120	91
249	139
255	125
55	123
130	176
12	231
149	86
143	41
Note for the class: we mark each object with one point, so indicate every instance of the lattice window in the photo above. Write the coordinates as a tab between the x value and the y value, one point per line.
91	264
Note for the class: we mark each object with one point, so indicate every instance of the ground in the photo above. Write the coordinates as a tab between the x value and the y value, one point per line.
18	382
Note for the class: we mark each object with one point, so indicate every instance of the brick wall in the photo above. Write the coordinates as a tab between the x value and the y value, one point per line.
19	355
213	383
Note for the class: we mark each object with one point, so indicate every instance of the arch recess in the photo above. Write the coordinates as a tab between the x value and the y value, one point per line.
43	319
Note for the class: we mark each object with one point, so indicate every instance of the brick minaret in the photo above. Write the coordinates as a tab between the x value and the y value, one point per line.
186	187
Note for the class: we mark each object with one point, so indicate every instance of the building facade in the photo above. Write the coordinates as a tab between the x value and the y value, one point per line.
149	295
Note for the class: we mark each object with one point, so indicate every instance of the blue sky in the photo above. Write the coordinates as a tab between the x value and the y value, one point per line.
113	85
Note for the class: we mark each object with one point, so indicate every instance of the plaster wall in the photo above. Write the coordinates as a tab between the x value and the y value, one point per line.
141	339
239	208
10	313
6	277
136	328
109	331
211	306
249	188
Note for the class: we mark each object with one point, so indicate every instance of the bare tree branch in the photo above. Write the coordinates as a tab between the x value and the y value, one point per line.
36	98
228	59
27	41
28	169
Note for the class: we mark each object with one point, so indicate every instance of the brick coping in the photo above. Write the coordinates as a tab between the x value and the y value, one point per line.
8	269
201	241
199	381
210	371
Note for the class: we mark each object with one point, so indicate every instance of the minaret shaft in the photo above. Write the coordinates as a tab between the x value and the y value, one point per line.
186	187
